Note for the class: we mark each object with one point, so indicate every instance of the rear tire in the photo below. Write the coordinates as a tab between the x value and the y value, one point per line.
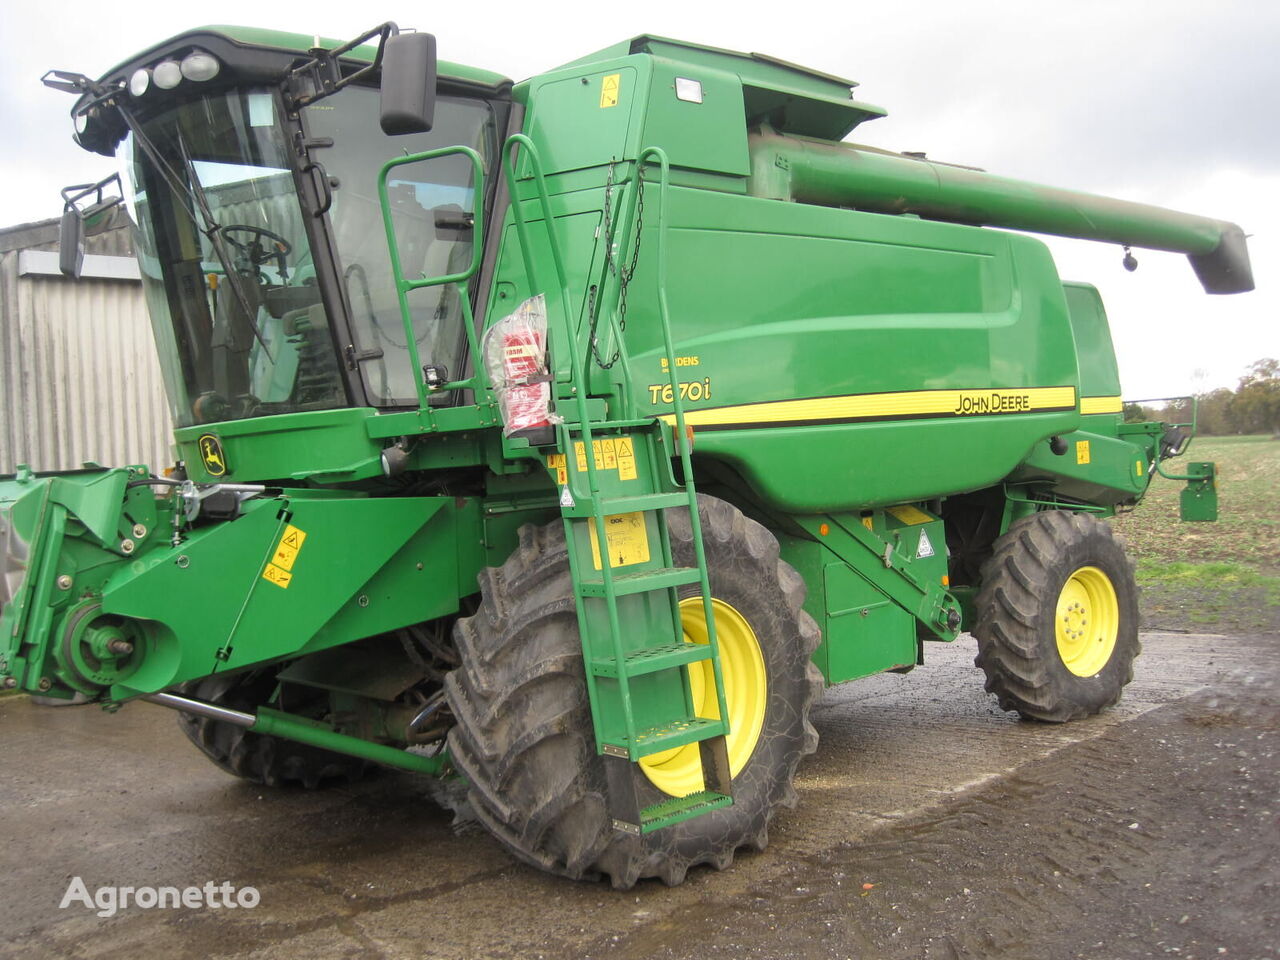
253	756
1057	617
524	736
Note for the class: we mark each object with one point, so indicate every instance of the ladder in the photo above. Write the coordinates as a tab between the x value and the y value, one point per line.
616	481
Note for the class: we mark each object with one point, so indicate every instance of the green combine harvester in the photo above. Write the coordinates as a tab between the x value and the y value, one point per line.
446	356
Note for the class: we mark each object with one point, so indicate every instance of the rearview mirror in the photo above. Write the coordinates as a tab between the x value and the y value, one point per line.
75	216
70	243
408	83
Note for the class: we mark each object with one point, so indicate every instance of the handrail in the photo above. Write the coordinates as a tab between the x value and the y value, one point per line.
403	285
682	433
540	183
578	385
1195	419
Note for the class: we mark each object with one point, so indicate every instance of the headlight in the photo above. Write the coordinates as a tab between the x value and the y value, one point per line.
168	75
199	66
139	82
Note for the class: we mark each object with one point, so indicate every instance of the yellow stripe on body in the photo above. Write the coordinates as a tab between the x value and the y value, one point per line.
884	406
1101	405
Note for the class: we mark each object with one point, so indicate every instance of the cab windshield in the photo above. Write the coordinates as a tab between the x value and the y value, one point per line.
240	325
433	206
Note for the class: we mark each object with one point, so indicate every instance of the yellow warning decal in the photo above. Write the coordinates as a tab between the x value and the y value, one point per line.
1137	468
609	90
628	541
1082	451
626	453
869	524
607	453
284	557
277	576
910	515
556	462
1101	405
288	547
886	406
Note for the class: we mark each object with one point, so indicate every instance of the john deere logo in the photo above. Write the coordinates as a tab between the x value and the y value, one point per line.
215	461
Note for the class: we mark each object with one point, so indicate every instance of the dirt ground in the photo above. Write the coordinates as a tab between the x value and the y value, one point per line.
931	824
1184	607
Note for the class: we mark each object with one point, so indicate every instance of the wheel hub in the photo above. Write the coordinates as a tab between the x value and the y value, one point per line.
1087	621
678	772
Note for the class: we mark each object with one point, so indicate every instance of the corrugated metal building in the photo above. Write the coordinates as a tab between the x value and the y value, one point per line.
79	378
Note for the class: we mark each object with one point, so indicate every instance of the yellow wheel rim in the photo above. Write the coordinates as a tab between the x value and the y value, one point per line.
678	772
1087	622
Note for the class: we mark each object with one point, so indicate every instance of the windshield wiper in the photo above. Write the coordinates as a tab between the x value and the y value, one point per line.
213	230
194	190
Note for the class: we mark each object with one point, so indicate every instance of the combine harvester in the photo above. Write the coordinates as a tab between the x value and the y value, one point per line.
446	355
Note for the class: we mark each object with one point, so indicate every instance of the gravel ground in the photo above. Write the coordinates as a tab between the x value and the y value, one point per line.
1157	838
931	824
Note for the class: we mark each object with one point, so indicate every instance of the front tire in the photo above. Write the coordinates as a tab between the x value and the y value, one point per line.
1057	623
524	737
255	757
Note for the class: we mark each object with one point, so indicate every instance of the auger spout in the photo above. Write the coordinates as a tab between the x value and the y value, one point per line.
846	174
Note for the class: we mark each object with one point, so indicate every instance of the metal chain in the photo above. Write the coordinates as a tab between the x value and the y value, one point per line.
608	247
624	274
624	278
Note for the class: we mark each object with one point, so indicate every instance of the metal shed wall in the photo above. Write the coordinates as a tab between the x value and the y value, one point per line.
79	379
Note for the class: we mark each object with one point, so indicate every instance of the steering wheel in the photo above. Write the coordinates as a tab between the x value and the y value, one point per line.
258	256
254	251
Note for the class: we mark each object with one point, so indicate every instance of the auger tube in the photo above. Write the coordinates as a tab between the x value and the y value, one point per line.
847	174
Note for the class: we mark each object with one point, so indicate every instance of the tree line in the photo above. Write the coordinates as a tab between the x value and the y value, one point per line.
1252	407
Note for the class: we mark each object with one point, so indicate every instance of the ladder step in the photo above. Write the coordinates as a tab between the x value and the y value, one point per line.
625	584
674	810
674	733
611	506
653	659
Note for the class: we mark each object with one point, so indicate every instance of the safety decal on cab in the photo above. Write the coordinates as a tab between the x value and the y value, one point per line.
280	567
609	87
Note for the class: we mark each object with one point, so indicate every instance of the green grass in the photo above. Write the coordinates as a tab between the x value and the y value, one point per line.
1236	574
1248	528
1223	575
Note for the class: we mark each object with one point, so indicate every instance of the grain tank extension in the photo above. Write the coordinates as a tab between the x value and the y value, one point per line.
561	439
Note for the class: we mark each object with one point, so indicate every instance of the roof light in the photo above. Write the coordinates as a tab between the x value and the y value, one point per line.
168	75
200	66
139	82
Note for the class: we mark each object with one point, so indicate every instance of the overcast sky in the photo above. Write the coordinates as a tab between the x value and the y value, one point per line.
1161	101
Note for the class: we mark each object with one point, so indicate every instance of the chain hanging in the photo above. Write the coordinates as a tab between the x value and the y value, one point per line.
623	273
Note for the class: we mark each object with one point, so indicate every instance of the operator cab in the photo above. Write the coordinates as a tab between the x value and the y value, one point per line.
249	164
